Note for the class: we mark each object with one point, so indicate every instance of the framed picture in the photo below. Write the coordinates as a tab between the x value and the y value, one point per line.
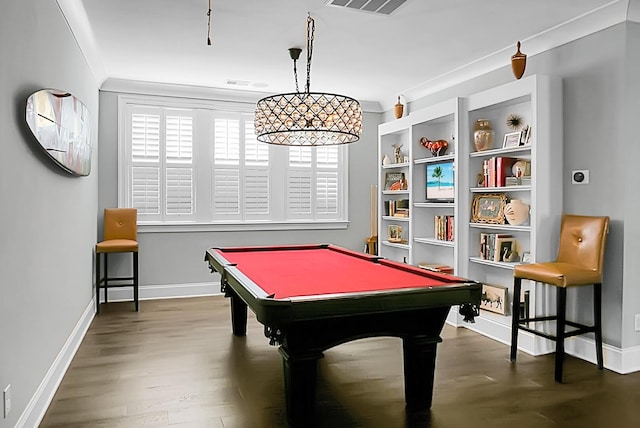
440	181
488	208
494	298
503	249
395	233
394	181
512	139
526	257
526	135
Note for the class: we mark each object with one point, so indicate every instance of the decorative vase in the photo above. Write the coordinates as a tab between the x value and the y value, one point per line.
386	160
516	212
518	63
399	109
482	135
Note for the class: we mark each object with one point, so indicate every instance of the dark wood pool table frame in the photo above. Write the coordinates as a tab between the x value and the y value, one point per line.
304	327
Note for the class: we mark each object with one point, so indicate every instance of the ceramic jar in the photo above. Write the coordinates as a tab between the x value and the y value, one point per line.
516	212
482	135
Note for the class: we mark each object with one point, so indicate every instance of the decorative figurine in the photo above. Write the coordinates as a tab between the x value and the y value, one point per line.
397	154
436	147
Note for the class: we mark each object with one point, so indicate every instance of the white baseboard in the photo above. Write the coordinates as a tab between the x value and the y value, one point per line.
164	291
39	403
37	406
619	360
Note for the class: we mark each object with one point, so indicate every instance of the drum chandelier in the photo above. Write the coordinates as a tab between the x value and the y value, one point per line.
307	118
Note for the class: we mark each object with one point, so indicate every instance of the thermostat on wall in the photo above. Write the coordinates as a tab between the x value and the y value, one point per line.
580	176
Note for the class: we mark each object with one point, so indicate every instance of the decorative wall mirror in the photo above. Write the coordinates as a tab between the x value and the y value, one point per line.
61	124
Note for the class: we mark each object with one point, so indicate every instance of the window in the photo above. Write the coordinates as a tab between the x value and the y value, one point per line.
183	162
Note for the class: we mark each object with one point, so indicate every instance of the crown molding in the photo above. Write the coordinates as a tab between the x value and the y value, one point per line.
199	92
610	14
77	20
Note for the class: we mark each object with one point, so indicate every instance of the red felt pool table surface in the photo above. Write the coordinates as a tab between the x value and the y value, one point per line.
331	270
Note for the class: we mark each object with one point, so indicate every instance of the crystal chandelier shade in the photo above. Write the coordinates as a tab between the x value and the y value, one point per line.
308	118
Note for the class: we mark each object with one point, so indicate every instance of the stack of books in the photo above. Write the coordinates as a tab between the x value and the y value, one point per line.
443	227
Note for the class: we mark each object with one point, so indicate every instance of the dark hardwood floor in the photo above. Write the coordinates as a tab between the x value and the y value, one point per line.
175	363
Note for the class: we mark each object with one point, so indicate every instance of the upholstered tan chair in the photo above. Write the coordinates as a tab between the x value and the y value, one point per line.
580	262
120	236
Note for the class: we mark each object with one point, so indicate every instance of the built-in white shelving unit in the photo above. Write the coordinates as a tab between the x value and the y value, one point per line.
538	101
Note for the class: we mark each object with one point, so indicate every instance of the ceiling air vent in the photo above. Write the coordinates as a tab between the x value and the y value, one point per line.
384	7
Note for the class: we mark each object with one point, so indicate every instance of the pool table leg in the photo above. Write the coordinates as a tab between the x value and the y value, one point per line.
419	369
238	314
300	376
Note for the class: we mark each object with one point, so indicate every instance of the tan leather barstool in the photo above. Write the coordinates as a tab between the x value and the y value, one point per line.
120	236
580	261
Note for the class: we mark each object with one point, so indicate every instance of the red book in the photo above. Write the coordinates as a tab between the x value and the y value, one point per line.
492	172
503	169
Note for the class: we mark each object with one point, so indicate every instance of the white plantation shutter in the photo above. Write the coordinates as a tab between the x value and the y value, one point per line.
226	193
326	194
145	137
145	190
226	141
179	199
179	131
199	162
161	158
144	134
327	157
256	193
179	191
299	194
300	156
255	152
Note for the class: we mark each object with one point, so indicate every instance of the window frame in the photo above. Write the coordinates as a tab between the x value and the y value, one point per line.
199	222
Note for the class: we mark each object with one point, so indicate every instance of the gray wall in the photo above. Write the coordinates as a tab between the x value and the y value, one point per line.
630	196
600	104
48	222
177	258
48	218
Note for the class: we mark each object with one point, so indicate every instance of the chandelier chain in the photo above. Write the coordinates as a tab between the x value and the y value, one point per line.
295	74
209	25
311	29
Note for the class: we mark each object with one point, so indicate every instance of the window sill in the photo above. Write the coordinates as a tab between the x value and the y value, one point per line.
160	227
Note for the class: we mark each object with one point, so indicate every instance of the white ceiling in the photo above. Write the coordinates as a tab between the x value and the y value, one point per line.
364	55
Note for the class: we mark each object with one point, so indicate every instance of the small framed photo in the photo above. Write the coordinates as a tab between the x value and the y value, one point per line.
494	298
488	208
395	233
526	135
512	139
526	257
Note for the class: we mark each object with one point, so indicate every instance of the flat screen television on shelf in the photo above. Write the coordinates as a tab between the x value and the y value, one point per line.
440	181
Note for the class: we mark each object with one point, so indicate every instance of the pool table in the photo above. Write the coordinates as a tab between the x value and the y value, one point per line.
313	297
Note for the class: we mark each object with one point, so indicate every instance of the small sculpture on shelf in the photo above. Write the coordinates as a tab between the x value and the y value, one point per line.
397	154
436	147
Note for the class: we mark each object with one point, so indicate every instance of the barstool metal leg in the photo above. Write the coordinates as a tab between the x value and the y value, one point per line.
98	255
597	322
135	279
560	332
515	316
